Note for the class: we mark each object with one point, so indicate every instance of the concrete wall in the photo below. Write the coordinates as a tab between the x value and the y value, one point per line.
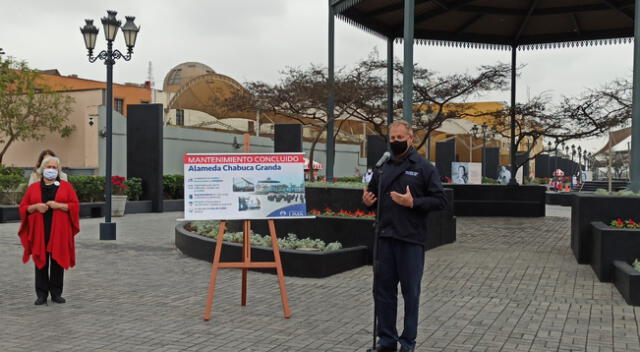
181	140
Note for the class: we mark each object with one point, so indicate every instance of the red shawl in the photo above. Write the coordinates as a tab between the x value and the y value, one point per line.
64	226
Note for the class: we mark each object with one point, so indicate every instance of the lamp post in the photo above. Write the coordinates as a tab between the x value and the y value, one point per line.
110	25
579	159
573	155
549	146
476	133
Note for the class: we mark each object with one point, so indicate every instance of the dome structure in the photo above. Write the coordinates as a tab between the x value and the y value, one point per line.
183	73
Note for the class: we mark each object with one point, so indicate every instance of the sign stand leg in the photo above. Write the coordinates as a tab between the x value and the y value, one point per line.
214	271
246	257
276	256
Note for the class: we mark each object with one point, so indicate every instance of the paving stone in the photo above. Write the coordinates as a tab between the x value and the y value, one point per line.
508	284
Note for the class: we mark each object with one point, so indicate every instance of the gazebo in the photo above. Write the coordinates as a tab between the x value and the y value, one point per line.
489	24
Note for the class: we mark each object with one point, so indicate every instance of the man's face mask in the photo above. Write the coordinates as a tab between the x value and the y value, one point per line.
398	147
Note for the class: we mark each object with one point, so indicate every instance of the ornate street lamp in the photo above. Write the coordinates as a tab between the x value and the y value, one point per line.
580	159
476	133
110	25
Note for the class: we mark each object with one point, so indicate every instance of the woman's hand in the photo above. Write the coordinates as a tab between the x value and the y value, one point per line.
39	207
57	206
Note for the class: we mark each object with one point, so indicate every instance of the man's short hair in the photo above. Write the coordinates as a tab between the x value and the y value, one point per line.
403	123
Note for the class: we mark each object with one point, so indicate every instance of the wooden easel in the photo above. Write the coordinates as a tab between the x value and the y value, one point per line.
246	262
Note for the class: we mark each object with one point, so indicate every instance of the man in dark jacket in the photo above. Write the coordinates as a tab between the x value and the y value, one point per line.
410	188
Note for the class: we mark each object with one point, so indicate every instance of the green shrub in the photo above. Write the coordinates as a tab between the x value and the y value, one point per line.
210	229
134	188
173	186
350	185
489	180
10	183
13	171
88	188
348	179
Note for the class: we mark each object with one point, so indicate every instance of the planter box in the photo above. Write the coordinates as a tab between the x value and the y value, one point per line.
350	232
294	262
173	205
627	281
559	198
441	225
138	206
587	208
611	244
499	200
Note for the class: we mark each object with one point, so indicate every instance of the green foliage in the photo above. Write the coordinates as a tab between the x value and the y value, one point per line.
601	192
134	188
8	170
540	181
489	180
210	229
29	109
621	193
173	186
88	188
636	265
348	179
10	182
349	185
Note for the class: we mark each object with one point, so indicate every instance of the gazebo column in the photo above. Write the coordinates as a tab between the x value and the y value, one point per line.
389	81
512	149
330	104
635	110
407	77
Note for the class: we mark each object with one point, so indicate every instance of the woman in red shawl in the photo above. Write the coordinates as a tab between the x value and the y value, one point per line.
49	212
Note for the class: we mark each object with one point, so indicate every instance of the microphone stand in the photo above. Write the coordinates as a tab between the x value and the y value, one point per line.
376	235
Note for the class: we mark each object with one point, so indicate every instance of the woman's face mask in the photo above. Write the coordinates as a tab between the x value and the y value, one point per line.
50	174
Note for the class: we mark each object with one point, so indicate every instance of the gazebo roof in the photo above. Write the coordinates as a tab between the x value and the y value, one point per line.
496	23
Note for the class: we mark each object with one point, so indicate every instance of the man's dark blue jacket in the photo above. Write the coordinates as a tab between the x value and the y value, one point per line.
403	223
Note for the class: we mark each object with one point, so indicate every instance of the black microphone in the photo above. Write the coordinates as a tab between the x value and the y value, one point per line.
383	159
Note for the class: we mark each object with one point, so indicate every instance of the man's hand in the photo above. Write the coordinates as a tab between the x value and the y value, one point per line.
368	198
53	205
406	200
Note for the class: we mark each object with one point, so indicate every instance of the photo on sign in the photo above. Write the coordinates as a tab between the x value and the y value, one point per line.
460	173
244	184
248	203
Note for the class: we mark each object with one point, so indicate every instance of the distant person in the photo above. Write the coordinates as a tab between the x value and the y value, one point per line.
49	214
504	175
462	176
35	177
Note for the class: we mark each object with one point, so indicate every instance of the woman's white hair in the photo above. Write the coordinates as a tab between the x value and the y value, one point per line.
46	160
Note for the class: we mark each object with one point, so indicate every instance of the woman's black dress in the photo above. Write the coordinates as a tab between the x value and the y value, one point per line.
49	282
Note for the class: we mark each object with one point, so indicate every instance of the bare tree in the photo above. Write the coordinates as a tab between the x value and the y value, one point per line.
587	115
301	95
440	97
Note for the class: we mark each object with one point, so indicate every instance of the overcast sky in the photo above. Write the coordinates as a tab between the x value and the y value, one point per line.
254	39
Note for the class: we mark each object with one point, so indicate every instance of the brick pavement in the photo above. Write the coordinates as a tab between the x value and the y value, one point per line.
507	285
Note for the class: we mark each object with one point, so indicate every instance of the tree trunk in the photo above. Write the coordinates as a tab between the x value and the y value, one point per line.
311	152
5	148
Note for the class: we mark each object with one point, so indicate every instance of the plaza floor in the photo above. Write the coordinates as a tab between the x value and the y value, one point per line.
507	284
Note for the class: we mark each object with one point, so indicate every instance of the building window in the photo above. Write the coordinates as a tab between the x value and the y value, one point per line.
180	117
118	105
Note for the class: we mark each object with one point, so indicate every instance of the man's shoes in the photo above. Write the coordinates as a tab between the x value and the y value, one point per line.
58	299
381	348
40	301
406	349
